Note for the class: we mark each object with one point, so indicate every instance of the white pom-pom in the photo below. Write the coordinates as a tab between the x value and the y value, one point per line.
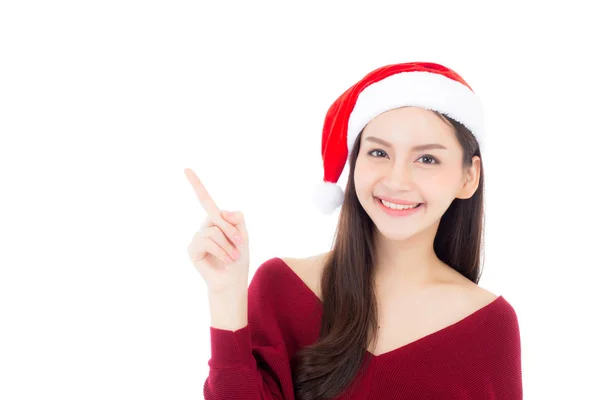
327	196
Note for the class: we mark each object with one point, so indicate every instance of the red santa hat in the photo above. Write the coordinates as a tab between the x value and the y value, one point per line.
423	84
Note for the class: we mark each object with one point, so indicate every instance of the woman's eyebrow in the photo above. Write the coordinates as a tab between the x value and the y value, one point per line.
415	148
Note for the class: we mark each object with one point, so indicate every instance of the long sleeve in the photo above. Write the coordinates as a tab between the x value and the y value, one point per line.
252	362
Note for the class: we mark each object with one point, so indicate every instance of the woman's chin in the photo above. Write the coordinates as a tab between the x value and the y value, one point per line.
394	233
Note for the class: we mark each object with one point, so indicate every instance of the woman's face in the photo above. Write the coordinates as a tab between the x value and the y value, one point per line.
391	165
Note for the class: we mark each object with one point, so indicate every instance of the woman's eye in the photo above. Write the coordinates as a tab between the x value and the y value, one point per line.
428	157
378	151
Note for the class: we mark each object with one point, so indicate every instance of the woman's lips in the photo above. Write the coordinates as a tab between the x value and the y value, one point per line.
399	213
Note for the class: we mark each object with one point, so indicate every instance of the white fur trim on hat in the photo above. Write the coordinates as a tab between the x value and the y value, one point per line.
421	89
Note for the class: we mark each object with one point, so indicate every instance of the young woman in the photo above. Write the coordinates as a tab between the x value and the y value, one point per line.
394	310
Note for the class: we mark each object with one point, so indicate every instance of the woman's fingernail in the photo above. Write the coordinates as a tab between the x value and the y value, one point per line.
238	239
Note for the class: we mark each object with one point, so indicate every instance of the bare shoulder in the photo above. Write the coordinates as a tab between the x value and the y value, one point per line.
473	293
477	296
482	297
309	270
467	295
455	293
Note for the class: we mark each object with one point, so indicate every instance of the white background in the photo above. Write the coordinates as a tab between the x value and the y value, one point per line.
103	105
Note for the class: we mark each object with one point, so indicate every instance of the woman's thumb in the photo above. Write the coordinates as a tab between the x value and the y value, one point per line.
236	218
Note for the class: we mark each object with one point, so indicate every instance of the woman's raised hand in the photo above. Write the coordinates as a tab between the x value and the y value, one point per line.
219	250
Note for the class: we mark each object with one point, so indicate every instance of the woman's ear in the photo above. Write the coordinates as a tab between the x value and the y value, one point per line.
471	179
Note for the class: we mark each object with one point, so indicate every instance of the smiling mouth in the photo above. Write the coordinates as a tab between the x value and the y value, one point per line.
393	206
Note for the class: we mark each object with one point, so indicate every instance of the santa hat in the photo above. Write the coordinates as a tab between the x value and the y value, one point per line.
423	84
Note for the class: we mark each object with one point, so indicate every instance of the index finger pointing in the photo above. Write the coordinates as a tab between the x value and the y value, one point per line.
214	214
205	200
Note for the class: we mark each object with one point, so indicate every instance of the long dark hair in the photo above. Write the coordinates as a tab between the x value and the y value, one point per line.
326	368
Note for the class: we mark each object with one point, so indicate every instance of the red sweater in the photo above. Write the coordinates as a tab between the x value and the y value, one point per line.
478	357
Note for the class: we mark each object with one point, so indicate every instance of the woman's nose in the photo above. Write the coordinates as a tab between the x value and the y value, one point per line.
400	177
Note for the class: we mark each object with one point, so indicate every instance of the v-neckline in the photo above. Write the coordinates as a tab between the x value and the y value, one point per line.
438	332
407	345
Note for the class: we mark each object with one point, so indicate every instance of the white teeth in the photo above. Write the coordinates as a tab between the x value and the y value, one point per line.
394	206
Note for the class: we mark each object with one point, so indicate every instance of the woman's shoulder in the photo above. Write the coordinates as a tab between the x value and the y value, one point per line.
308	270
449	282
284	289
281	269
